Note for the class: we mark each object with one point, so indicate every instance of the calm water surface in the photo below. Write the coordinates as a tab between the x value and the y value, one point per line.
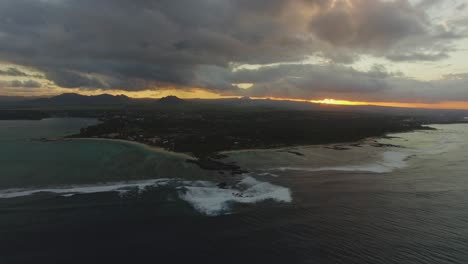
28	161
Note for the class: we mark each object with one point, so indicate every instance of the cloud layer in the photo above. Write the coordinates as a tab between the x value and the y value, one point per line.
332	81
143	44
20	84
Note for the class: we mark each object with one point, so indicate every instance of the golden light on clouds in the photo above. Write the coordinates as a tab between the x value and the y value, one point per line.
181	93
193	93
461	105
203	94
243	85
436	105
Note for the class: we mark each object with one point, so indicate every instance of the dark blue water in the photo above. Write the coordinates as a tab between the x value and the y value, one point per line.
416	213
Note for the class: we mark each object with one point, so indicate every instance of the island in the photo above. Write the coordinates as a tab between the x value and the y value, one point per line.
204	129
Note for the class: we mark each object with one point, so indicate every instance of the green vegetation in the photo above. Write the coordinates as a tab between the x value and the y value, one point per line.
205	133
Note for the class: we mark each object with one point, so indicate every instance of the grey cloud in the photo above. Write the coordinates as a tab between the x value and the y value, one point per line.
391	29
21	84
142	44
71	79
369	24
416	56
428	3
12	72
312	81
377	84
462	7
449	88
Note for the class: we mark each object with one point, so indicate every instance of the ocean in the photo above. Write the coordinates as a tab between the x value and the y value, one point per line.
398	199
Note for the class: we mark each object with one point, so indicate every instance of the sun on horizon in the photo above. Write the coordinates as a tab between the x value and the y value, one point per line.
332	101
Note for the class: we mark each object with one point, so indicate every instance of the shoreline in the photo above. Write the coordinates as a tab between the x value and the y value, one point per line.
221	161
325	145
213	156
298	147
138	144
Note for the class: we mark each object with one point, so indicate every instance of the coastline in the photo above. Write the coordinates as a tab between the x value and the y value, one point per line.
190	156
299	147
139	144
368	140
350	153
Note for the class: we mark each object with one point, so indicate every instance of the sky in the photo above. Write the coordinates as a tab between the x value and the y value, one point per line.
388	52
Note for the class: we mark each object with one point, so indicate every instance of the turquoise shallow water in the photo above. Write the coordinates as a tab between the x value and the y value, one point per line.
26	161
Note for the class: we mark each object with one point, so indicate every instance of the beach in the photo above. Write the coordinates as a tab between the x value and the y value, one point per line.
138	144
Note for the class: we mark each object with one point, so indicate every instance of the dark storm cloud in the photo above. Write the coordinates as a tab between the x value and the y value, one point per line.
391	29
369	24
73	80
142	44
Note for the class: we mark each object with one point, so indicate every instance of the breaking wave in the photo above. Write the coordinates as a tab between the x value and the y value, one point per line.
212	200
205	196
391	160
120	187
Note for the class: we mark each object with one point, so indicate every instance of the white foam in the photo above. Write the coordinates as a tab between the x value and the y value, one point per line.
212	200
268	174
204	196
121	187
391	160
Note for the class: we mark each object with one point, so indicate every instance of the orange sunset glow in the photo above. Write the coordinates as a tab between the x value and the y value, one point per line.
338	102
198	93
438	105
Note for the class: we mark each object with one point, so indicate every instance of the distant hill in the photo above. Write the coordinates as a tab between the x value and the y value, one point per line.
77	99
73	101
171	100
